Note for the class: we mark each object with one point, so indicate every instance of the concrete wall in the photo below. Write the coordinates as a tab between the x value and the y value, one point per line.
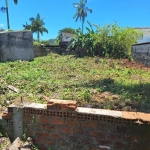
40	51
141	53
16	45
63	126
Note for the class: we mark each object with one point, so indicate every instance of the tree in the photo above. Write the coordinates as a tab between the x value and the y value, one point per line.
5	9
81	11
1	30
36	26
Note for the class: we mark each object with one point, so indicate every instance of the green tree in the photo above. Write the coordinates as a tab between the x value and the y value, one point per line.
109	40
81	11
5	9
36	26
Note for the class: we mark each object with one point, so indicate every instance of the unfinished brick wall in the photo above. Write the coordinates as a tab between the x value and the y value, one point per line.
63	126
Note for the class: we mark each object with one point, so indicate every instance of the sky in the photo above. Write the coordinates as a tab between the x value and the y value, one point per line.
58	14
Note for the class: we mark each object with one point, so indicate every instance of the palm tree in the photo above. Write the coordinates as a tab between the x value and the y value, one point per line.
3	9
81	11
37	25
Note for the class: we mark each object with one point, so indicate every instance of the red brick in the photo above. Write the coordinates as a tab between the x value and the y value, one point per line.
103	148
57	121
119	145
132	138
72	123
56	136
93	148
113	137
101	135
43	134
51	128
27	118
102	126
94	134
104	142
7	115
81	147
54	104
42	148
43	119
31	133
67	130
51	142
86	140
38	140
64	143
121	129
79	131
89	124
68	105
72	139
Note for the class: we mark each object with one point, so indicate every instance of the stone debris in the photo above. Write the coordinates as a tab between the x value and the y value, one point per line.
13	88
19	145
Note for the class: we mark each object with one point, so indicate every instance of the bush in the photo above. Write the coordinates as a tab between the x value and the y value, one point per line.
109	40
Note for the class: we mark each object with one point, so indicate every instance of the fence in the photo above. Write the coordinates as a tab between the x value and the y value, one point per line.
60	125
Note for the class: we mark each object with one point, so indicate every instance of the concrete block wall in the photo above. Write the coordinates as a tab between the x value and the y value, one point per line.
16	45
61	125
141	53
40	51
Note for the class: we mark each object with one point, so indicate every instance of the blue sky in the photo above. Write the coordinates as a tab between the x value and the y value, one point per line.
58	14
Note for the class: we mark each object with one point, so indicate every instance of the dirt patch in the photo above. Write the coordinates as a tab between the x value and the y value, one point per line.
133	65
107	100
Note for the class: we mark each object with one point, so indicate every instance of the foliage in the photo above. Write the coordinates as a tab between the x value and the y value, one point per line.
1	29
104	84
36	26
68	30
5	9
40	43
81	11
109	40
116	41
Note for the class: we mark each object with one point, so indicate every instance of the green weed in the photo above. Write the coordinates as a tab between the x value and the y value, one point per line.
68	77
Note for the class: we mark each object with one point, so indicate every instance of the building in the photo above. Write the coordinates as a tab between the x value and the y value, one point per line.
146	34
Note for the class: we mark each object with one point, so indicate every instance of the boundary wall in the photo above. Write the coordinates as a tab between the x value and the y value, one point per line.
61	125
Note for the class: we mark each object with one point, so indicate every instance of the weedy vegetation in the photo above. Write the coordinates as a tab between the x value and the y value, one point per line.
117	84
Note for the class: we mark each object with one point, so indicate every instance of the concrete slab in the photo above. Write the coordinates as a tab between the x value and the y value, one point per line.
99	112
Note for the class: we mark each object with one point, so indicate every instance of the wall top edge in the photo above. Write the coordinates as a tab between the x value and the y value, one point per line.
15	31
145	43
91	111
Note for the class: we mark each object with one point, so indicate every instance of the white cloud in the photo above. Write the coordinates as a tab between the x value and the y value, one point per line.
2	25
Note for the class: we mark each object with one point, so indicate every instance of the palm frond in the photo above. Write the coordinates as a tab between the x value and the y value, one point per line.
2	9
16	1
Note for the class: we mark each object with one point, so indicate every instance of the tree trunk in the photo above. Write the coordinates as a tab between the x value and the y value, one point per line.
7	14
38	36
82	26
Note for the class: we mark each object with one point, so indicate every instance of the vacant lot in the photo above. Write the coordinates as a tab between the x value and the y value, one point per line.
100	83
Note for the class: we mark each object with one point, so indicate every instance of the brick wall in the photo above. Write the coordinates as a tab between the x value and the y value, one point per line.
60	125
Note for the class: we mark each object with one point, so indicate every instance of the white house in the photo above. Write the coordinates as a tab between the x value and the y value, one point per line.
146	34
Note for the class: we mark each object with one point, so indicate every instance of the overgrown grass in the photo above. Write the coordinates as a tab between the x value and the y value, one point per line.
101	84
